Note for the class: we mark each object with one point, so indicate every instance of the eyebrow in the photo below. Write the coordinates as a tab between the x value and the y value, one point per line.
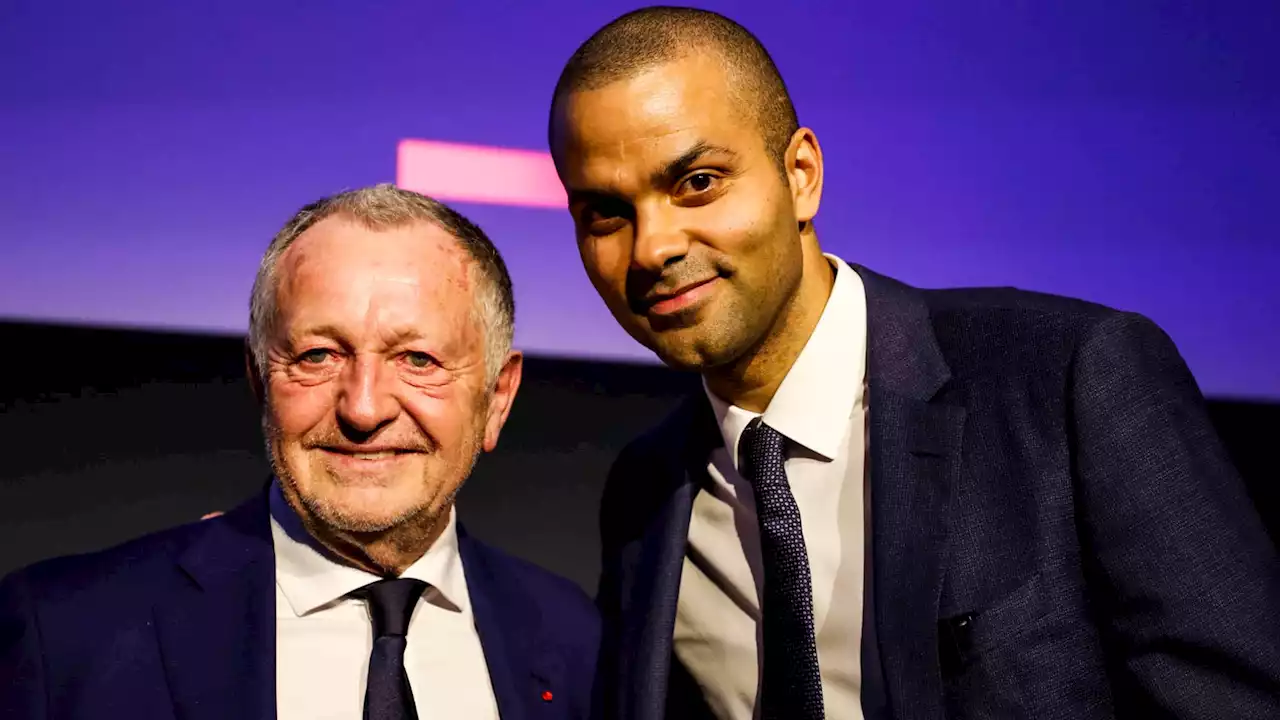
404	336
333	332
667	175
326	331
675	169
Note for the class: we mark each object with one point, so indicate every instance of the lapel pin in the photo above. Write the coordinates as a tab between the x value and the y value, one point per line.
546	696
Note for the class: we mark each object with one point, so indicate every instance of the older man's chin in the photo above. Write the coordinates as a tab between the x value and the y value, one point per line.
365	509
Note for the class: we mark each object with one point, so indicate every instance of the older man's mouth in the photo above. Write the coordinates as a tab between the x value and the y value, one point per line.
367	458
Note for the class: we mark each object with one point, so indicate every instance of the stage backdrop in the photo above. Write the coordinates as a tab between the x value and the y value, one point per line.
112	434
1125	152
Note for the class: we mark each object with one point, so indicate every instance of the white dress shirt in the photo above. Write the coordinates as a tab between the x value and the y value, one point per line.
323	638
820	408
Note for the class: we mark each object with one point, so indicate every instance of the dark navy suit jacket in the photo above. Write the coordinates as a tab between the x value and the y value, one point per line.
181	625
1056	531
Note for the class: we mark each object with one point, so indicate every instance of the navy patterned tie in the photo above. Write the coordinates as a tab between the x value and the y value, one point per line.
387	693
790	686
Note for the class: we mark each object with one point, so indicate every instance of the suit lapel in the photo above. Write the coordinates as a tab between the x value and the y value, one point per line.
649	614
217	633
915	442
656	561
508	636
914	451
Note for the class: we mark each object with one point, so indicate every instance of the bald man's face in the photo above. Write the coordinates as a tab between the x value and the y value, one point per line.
685	225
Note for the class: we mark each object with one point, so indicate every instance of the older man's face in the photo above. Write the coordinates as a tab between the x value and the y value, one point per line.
376	396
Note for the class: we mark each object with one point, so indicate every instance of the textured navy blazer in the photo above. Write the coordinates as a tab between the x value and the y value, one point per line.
182	625
1056	530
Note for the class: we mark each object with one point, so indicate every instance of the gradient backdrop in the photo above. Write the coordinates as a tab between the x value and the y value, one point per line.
1128	153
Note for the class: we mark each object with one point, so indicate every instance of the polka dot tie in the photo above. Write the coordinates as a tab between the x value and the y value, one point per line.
387	694
791	686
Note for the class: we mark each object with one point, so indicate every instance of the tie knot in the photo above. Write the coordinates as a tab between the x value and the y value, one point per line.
391	604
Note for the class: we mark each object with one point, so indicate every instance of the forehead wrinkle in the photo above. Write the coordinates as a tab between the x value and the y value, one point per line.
400	288
625	163
440	290
645	110
384	315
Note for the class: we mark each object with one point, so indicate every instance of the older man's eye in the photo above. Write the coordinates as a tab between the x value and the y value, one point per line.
314	357
419	360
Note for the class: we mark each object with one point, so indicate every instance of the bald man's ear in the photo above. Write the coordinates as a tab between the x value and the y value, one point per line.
255	378
804	171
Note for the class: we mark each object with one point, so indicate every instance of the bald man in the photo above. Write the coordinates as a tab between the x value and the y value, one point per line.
888	502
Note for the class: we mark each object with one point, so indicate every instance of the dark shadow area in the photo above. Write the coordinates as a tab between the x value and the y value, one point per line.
109	434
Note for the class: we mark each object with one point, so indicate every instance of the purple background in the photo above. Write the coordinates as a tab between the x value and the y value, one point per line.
1125	152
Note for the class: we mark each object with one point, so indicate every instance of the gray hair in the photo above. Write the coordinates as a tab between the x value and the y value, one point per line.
383	207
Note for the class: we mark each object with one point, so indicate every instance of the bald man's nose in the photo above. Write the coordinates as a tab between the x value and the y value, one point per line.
366	399
659	239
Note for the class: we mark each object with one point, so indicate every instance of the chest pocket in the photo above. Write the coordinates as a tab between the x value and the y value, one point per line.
1018	617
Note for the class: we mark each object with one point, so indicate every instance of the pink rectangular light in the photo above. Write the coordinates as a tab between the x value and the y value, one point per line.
479	174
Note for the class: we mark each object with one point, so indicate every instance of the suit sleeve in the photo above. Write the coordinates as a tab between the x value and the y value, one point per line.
1182	573
22	682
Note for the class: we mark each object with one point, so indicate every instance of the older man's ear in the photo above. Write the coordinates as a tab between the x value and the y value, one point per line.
502	398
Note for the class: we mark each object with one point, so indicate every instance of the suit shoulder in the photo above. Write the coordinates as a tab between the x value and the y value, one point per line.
1018	333
1082	320
1012	303
93	577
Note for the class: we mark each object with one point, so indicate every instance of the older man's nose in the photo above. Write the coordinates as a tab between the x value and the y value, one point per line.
366	400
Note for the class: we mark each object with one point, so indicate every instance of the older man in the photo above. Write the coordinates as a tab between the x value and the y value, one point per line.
380	345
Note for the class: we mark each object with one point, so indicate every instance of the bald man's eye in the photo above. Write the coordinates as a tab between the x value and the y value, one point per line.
604	217
698	183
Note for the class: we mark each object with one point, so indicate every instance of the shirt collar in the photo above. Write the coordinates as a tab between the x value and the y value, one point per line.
311	579
819	393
